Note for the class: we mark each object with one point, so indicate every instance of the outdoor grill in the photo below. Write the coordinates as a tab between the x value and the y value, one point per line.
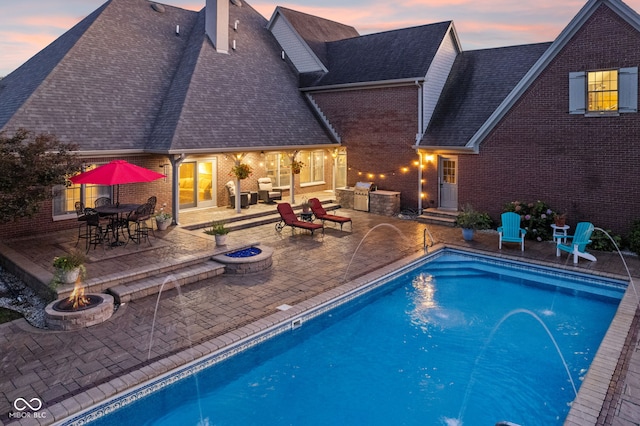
361	193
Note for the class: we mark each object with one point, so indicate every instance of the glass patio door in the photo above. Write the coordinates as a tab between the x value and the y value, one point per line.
197	183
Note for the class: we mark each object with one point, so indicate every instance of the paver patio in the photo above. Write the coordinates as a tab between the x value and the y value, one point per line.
77	368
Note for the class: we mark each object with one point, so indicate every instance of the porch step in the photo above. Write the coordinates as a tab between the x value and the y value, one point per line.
257	219
438	217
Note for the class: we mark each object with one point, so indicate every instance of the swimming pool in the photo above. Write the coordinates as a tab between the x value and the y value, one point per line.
412	349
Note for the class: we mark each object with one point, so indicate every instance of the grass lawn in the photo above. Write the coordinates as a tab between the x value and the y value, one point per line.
7	315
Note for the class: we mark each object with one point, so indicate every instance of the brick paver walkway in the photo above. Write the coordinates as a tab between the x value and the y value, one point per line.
55	366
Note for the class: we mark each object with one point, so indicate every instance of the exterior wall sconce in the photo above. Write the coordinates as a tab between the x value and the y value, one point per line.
164	170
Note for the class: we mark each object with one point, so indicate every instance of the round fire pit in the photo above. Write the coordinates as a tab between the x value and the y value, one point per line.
61	315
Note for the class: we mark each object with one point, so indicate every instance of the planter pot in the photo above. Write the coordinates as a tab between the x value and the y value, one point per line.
560	221
221	240
162	226
70	277
467	234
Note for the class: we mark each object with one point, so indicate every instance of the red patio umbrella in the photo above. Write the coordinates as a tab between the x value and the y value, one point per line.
117	172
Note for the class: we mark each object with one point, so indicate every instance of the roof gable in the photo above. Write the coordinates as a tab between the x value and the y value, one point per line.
587	11
313	31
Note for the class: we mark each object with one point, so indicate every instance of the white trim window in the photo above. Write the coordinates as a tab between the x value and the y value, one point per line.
64	198
313	170
603	92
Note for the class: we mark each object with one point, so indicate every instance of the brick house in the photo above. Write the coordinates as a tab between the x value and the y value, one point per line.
407	109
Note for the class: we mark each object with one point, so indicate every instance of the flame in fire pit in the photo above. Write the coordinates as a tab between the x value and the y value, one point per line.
77	299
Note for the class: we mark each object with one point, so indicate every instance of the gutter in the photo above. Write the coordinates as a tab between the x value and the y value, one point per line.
241	148
365	85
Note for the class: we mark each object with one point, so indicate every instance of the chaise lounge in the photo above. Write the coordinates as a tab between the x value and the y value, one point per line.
289	218
321	213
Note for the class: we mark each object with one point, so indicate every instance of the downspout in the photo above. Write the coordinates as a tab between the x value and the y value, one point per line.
176	160
418	138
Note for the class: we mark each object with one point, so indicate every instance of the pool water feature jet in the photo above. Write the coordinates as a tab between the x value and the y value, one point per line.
484	348
623	261
362	241
176	285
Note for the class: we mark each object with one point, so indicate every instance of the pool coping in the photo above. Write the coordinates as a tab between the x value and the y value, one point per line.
586	407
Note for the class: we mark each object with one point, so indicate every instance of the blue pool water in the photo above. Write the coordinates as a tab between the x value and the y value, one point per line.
457	340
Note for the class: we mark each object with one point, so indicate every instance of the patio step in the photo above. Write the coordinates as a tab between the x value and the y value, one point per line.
257	219
183	274
438	217
138	289
177	266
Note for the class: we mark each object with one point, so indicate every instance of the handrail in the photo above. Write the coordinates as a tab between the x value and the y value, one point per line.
424	238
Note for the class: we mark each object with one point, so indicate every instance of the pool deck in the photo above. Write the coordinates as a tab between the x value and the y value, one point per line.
70	371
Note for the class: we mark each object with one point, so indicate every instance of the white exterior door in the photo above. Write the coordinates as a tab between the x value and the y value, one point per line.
448	176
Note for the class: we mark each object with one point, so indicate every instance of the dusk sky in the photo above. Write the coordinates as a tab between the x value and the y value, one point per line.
27	26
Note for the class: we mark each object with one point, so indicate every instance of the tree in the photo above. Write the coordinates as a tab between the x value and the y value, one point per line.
30	165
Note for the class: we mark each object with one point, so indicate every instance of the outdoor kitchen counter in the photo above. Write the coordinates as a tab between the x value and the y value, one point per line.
386	203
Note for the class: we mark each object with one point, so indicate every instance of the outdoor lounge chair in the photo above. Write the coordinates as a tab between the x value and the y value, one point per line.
510	231
244	196
321	213
289	218
580	240
266	192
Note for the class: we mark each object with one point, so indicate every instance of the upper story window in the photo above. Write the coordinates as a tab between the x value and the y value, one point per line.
603	92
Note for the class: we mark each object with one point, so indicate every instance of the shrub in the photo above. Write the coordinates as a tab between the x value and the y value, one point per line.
634	237
601	242
536	218
470	218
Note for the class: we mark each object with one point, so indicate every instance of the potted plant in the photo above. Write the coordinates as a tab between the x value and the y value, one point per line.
560	219
306	205
241	171
470	219
69	267
296	167
163	219
220	232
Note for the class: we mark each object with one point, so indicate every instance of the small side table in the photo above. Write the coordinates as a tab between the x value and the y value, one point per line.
560	233
308	216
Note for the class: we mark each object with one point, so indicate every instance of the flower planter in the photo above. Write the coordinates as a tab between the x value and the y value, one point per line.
467	233
221	239
70	276
163	225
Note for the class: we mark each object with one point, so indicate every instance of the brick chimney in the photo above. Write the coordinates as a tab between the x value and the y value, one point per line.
217	24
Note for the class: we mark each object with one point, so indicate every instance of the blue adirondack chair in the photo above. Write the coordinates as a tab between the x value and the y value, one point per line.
578	244
510	231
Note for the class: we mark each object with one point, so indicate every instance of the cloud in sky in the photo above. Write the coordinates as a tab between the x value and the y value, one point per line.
27	26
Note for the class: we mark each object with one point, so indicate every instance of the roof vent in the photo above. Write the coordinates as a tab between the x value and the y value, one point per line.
157	7
237	3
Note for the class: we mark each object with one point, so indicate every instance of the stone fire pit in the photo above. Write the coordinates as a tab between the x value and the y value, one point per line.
59	315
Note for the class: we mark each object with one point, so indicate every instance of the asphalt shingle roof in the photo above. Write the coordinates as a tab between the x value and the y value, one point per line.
122	80
316	31
248	97
478	83
390	55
